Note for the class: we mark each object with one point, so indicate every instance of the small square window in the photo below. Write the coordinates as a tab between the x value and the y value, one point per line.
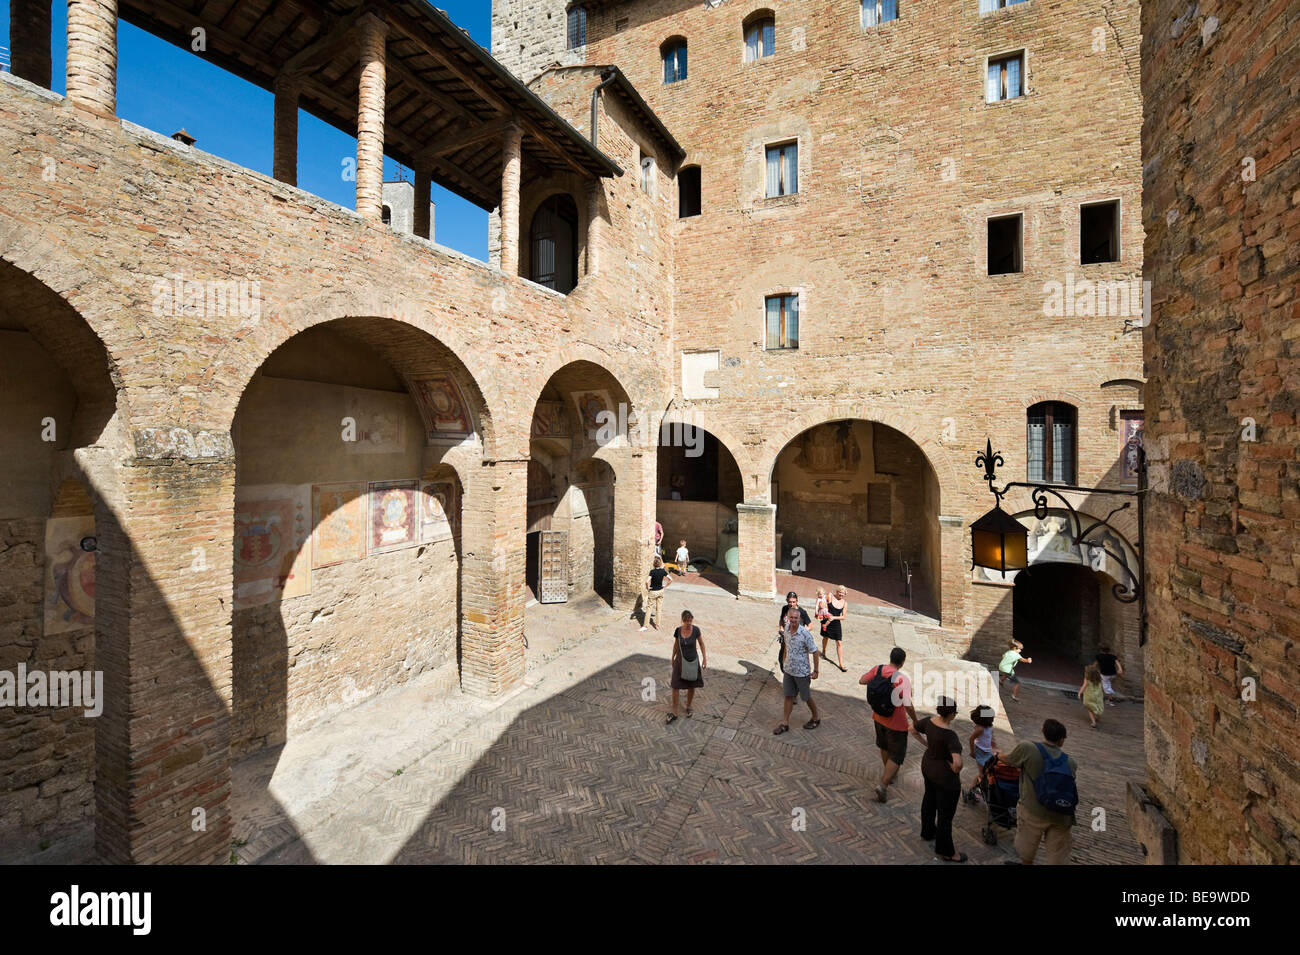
1099	232
1005	243
782	170
1005	78
782	322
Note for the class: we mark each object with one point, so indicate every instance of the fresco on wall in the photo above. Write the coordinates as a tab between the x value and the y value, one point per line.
380	418
338	513
272	543
437	510
829	449
1131	427
550	420
442	407
590	405
394	513
69	574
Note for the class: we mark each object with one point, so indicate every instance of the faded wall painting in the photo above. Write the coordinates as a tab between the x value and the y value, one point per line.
272	543
829	449
437	510
394	512
380	419
338	513
590	405
442	407
69	574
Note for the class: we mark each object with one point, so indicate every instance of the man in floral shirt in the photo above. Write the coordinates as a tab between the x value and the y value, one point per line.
799	674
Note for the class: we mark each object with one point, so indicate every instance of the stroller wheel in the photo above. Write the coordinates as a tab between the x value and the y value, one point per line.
990	836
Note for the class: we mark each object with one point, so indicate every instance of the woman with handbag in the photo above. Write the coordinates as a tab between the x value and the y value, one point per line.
689	660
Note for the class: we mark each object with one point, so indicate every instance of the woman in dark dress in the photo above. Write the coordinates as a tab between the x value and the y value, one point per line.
941	770
838	605
688	646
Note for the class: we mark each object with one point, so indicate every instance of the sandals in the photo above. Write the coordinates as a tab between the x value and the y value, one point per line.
959	857
689	712
812	724
783	728
672	718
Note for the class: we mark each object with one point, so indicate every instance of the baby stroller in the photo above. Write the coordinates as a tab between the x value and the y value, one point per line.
999	786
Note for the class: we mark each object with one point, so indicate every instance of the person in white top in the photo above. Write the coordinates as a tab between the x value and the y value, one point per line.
683	557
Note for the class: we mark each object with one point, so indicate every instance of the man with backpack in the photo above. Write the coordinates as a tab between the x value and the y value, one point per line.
1048	796
889	693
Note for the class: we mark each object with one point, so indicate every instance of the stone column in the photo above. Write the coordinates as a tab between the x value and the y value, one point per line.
422	178
493	588
92	54
163	643
370	118
510	172
595	225
285	164
756	538
29	40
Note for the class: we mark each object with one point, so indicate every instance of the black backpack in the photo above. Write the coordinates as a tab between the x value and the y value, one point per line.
880	692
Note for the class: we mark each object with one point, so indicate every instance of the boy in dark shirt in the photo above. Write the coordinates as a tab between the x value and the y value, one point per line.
1110	668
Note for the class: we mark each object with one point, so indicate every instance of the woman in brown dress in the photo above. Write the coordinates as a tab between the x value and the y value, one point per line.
690	655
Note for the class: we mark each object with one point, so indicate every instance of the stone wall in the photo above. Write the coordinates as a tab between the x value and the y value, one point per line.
1222	215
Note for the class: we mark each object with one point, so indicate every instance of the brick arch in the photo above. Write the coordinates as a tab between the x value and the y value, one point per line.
563	184
935	453
1020	505
577	352
236	368
1065	397
735	447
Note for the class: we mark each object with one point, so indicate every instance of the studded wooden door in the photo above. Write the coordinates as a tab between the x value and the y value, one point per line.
553	567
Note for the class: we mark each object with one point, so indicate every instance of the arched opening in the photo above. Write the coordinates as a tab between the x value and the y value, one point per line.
698	488
673	53
570	487
759	30
56	397
553	244
857	504
1056	614
347	548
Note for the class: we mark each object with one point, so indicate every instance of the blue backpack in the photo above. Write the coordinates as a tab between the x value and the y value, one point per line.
1054	786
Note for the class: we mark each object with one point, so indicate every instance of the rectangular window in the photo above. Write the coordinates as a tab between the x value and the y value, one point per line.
1005	78
876	12
782	170
1049	443
675	63
782	321
1099	232
688	192
1005	243
577	27
988	6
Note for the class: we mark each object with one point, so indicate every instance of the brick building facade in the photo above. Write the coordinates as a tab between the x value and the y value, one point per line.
340	481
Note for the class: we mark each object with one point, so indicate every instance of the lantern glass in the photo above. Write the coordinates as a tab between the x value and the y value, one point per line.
999	542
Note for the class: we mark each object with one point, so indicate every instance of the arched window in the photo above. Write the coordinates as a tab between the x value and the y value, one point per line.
673	52
553	241
688	192
387	215
760	35
1050	442
577	27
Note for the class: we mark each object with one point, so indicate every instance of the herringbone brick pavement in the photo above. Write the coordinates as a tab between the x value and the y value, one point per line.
579	767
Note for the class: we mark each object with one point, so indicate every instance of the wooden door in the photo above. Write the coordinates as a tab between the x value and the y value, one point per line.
553	564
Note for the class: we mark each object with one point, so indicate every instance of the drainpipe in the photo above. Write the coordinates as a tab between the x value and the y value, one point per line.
605	79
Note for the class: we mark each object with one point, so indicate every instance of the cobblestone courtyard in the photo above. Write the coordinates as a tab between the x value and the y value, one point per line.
579	767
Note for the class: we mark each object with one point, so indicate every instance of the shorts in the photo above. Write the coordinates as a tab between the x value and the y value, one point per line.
982	756
1010	678
1107	686
893	742
797	685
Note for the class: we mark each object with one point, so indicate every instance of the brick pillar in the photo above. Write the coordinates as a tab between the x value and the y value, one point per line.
493	589
92	54
370	119
285	164
422	202
29	40
163	642
756	538
634	522
510	171
595	225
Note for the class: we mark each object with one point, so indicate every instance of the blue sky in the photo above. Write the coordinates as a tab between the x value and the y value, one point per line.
165	88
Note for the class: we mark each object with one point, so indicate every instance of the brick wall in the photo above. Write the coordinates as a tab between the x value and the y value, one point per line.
1222	214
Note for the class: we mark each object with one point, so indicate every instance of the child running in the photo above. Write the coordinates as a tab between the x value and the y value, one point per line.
1092	694
1007	668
